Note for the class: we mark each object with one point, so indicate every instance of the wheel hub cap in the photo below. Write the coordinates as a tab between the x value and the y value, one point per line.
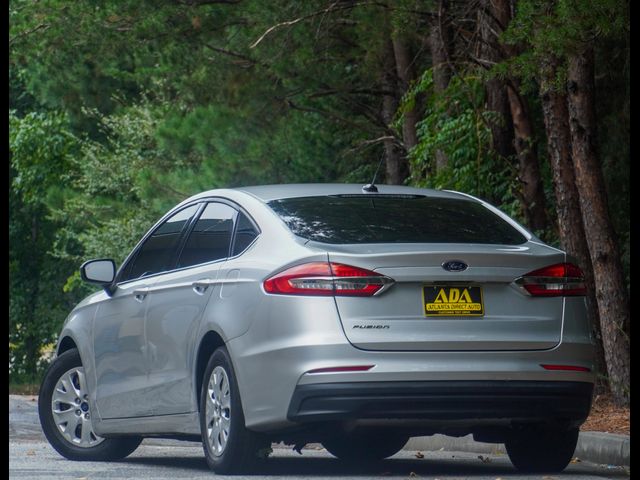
72	415
218	411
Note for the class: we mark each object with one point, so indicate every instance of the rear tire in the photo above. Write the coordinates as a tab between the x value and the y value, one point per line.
229	447
542	450
365	445
65	415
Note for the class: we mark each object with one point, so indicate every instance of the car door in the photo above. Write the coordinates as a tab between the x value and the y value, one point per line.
176	304
238	278
119	342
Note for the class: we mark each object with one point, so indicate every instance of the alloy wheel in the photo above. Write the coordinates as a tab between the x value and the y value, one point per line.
218	411
71	410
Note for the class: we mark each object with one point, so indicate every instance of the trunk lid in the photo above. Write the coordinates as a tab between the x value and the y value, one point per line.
396	319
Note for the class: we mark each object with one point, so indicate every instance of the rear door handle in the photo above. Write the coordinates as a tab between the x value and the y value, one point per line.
201	286
140	294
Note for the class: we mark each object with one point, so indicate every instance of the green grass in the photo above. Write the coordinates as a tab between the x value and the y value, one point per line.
23	388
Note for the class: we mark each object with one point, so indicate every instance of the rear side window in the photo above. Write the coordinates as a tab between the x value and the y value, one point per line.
245	234
210	238
355	219
158	252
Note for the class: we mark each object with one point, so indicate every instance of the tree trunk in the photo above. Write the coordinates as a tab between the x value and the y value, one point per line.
406	75
490	20
440	41
570	226
611	292
532	193
396	164
502	139
528	167
32	342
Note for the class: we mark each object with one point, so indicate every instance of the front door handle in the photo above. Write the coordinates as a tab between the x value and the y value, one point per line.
201	286
140	294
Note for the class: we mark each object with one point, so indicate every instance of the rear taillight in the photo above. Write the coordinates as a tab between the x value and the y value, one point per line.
327	279
559	280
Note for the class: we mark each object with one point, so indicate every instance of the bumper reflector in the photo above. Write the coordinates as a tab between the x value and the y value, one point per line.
573	368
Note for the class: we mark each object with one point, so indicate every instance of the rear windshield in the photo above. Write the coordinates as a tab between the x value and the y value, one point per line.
357	219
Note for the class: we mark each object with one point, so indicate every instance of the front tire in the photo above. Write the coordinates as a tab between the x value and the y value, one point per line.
365	445
542	450
229	447
66	417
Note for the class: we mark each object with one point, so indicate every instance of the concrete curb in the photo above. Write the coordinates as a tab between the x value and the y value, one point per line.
596	447
600	447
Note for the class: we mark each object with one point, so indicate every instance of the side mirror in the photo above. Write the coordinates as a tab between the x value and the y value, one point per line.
101	271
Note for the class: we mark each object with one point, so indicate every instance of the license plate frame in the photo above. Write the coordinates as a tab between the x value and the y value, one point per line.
447	300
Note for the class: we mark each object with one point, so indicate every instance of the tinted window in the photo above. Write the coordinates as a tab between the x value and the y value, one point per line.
211	237
245	234
394	219
157	252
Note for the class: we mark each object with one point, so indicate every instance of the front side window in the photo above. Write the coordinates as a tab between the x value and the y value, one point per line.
158	251
210	238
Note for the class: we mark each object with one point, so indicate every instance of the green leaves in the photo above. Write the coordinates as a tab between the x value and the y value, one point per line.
122	109
456	123
41	147
544	28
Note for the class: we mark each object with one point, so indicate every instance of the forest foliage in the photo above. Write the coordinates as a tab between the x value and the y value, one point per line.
118	110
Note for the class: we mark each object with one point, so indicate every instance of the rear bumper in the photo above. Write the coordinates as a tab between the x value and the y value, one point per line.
511	401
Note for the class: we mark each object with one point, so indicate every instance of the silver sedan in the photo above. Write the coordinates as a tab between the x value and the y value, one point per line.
326	313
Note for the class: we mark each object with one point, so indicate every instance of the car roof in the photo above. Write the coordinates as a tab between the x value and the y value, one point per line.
267	193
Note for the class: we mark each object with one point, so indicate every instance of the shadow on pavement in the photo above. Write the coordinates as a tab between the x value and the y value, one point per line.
309	466
313	467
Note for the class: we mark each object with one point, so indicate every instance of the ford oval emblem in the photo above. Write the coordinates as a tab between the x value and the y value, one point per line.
454	266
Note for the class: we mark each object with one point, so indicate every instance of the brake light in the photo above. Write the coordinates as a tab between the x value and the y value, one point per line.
559	280
327	279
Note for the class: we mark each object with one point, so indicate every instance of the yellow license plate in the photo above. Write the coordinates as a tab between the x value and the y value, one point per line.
452	300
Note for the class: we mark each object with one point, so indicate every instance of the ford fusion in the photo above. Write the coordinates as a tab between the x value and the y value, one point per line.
326	313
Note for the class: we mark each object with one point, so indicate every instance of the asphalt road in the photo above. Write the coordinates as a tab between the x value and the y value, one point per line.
172	460
31	457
